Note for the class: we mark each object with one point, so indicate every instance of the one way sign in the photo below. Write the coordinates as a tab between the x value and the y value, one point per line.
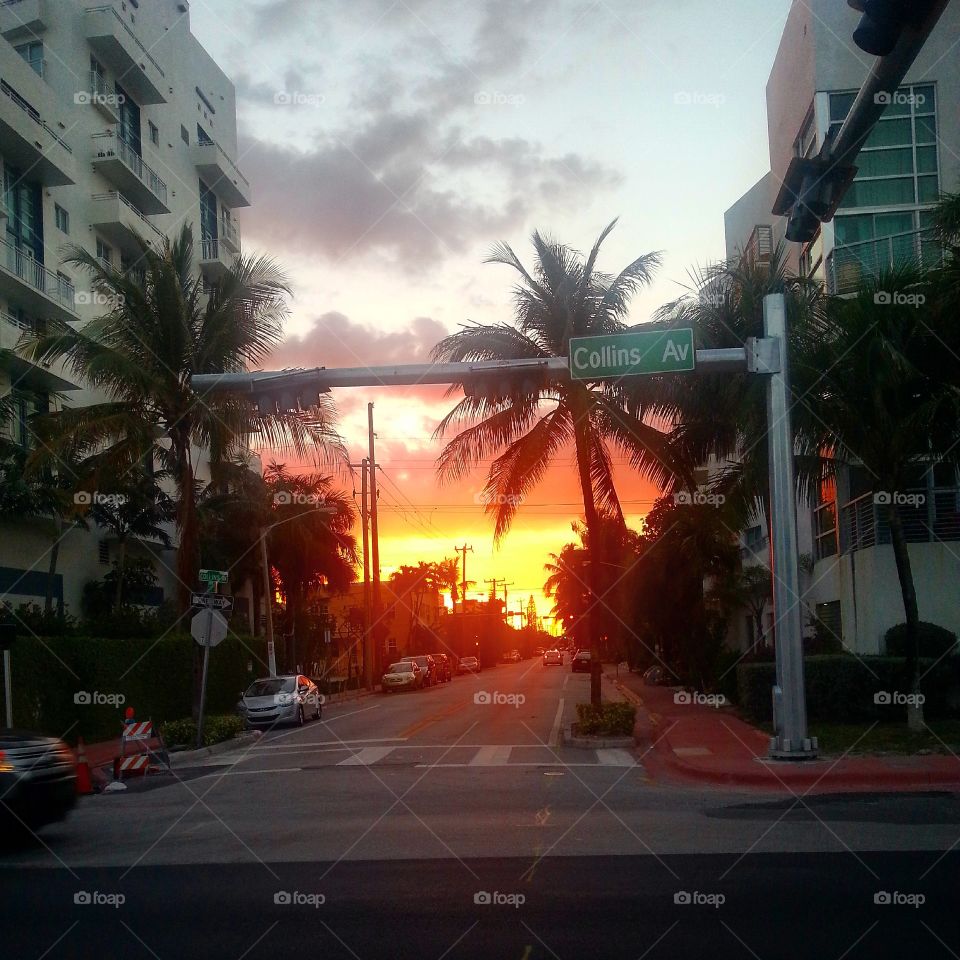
215	600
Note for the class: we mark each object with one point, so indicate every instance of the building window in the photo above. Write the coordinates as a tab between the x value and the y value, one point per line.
154	133
184	136
128	128
62	218
104	253
806	143
203	137
33	53
208	213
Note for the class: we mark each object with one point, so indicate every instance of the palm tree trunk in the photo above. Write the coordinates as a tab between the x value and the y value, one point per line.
911	614
188	552
579	407
52	571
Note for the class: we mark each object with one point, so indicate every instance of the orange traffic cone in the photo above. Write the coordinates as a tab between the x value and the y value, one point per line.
84	783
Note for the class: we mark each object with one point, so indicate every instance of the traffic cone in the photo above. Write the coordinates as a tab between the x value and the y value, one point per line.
84	782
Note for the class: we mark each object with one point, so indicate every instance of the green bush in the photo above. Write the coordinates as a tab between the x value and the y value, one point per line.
935	641
220	727
607	720
179	733
843	688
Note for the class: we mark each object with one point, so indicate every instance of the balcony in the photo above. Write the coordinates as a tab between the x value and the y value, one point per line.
116	160
215	259
221	174
21	19
24	373
229	235
102	97
122	223
39	291
30	144
760	245
853	264
117	46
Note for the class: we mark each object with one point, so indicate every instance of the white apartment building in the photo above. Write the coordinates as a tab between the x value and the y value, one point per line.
114	122
848	574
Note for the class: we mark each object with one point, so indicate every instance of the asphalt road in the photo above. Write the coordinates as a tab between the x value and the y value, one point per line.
383	822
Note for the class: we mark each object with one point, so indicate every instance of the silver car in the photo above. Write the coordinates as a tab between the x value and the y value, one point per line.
289	698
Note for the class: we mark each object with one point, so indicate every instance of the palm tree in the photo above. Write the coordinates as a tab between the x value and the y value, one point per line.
163	327
881	405
563	296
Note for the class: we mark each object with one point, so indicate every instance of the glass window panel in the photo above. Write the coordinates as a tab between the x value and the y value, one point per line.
924	100
887	224
926	159
880	193
928	189
890	133
899	106
840	104
926	129
885	163
853	229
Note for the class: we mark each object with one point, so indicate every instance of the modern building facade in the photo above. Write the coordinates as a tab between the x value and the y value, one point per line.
114	123
849	579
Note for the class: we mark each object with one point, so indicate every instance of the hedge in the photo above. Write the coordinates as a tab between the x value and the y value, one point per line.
607	720
52	678
842	687
935	641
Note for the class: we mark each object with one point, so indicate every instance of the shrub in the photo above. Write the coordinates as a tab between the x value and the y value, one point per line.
179	733
607	720
935	641
216	729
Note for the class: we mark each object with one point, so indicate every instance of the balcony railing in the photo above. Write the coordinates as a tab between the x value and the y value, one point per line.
210	250
143	50
207	142
863	522
848	266
133	161
32	113
155	234
23	265
230	234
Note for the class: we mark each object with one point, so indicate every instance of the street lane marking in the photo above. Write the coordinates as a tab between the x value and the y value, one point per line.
495	756
327	743
247	773
615	757
366	756
554	740
420	724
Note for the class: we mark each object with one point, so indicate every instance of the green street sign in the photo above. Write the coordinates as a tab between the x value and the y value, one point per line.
214	576
630	354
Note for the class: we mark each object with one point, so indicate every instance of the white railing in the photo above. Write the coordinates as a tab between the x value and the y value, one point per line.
116	195
230	232
849	265
22	264
143	50
132	161
209	249
32	113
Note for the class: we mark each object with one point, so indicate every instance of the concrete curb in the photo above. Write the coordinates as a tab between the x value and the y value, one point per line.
183	758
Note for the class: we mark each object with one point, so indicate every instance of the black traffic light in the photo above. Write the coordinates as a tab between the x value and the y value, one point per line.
504	384
882	23
271	400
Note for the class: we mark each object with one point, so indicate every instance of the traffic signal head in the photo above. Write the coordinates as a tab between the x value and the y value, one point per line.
881	24
504	384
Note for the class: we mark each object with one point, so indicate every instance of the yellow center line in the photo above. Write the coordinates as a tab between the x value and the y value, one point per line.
426	721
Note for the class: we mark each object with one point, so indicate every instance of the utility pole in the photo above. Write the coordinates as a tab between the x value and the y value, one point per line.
375	546
268	604
463	576
365	524
495	581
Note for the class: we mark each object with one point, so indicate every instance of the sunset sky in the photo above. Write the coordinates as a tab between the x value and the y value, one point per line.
391	144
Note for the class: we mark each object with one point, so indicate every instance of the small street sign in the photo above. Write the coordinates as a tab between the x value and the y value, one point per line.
215	600
214	576
208	627
630	354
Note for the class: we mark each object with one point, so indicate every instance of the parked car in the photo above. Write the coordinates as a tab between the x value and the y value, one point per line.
444	667
290	698
552	657
428	665
512	657
38	780
539	651
581	662
468	665
404	675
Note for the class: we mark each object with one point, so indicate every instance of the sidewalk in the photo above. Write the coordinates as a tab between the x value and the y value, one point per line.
709	745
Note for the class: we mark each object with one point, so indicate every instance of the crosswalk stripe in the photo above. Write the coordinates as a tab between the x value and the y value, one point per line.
615	757
495	756
366	756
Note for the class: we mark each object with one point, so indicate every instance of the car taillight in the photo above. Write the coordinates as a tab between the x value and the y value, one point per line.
5	765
